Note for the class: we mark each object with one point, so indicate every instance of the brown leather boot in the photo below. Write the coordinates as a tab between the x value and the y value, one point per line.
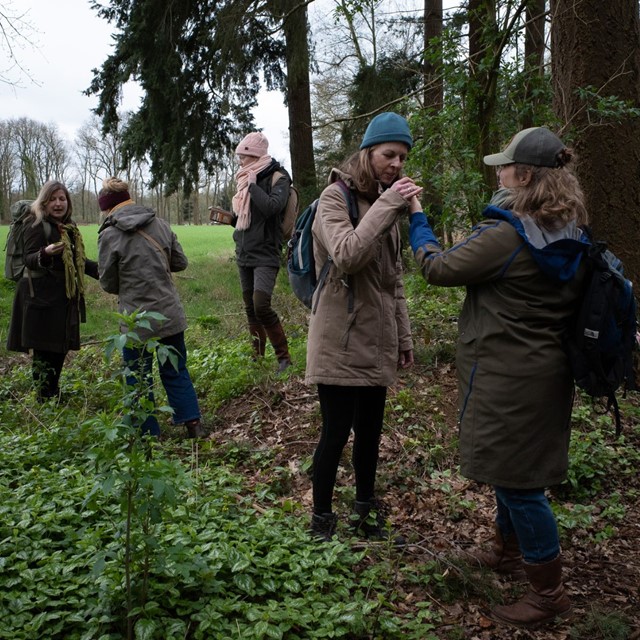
504	557
258	339
545	601
279	341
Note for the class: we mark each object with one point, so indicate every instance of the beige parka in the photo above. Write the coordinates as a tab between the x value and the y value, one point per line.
359	322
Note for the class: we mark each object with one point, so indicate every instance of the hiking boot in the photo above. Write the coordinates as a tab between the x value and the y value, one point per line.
194	429
504	556
369	521
323	526
278	339
545	601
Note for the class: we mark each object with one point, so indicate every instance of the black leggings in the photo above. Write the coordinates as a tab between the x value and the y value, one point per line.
344	409
46	367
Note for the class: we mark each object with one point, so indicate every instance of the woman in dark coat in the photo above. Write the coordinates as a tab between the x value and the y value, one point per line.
522	270
49	301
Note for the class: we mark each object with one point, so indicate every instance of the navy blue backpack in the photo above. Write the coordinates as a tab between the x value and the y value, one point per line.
301	264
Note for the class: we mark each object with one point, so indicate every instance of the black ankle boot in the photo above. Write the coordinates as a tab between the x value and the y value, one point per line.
323	526
194	429
369	521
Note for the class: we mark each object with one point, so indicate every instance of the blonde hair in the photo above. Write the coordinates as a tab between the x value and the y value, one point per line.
552	197
112	184
47	190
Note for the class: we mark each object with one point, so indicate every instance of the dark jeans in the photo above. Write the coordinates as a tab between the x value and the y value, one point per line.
360	409
177	383
46	368
527	513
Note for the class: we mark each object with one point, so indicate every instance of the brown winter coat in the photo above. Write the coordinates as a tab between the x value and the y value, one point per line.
43	318
515	385
358	346
138	272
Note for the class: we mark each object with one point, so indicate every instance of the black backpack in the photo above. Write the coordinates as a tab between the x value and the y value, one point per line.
601	342
14	259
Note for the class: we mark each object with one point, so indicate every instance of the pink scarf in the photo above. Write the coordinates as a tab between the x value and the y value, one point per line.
241	201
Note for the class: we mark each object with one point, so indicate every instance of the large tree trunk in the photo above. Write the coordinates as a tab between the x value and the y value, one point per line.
434	91
483	78
533	58
299	98
597	44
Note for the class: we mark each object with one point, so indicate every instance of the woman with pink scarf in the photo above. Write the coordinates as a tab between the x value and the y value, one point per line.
258	207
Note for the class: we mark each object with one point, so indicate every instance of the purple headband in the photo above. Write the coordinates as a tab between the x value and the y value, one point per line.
109	200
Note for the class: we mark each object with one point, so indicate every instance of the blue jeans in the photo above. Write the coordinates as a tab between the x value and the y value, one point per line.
176	382
527	513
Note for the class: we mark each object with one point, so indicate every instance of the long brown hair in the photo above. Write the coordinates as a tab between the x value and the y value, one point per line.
48	189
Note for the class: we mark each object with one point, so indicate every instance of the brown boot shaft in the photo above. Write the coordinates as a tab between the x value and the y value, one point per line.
278	339
504	556
545	601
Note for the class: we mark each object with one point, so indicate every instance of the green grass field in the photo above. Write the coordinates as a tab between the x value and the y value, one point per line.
209	287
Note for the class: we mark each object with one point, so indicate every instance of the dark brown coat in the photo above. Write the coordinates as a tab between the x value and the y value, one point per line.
43	318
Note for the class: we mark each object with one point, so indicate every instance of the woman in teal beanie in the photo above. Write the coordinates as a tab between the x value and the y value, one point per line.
359	331
387	127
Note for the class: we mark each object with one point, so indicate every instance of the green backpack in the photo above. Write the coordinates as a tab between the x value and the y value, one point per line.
14	258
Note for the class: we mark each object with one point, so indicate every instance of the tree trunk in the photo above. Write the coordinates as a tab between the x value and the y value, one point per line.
597	45
433	93
296	29
483	79
533	58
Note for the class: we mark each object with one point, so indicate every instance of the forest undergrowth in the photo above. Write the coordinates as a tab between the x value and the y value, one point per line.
104	535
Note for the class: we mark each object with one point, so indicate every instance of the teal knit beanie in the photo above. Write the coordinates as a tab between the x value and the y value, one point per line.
387	127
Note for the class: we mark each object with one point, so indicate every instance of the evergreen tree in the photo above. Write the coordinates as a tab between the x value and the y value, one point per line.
199	64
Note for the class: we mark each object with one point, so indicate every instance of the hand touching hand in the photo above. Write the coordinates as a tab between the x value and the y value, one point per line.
407	188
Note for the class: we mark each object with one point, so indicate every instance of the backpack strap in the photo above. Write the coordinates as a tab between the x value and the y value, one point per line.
352	207
153	242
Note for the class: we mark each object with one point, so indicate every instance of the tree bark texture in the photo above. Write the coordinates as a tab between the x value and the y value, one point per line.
298	92
533	56
597	44
433	93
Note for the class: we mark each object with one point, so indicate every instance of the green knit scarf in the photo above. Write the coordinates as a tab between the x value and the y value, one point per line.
73	260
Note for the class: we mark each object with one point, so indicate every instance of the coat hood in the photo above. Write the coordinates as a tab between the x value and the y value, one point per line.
129	218
557	253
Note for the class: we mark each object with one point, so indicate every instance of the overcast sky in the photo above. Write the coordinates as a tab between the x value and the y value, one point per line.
69	40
